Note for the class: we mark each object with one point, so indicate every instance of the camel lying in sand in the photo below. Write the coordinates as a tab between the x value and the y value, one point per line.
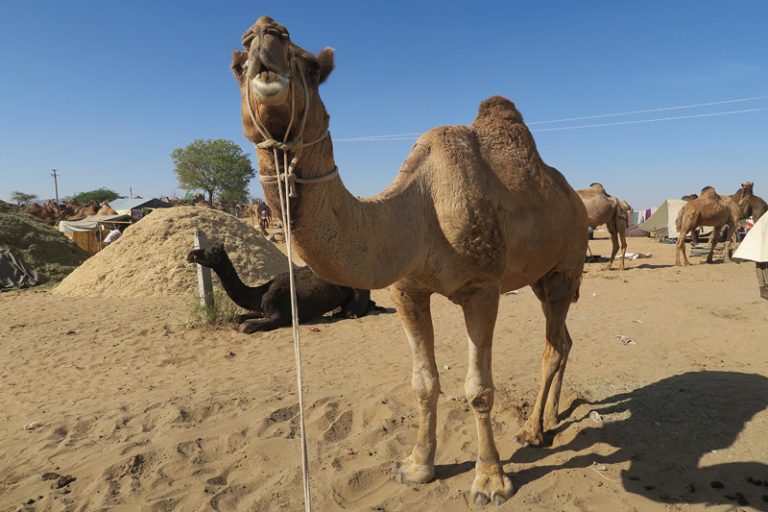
271	302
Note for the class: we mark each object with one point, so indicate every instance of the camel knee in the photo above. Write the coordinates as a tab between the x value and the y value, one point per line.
480	398
426	386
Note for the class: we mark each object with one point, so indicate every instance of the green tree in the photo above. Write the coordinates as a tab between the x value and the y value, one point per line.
216	167
100	194
22	198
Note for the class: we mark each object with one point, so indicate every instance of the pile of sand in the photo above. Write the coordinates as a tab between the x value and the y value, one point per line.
40	246
149	260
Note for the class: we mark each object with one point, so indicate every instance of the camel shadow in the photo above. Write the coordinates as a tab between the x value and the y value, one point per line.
337	317
649	266
670	433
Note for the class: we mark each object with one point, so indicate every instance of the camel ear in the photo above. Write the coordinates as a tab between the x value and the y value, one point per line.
325	64
238	65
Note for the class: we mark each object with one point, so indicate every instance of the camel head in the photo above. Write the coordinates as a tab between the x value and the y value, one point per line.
747	188
277	78
209	257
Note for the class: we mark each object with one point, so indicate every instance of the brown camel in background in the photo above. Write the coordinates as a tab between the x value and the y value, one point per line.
603	208
709	209
750	204
473	212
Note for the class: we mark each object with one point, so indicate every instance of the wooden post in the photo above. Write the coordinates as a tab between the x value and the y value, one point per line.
204	283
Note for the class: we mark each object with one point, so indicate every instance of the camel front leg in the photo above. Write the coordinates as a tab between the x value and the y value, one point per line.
414	312
623	238
614	246
490	483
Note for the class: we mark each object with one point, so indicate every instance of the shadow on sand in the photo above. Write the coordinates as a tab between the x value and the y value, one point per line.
664	431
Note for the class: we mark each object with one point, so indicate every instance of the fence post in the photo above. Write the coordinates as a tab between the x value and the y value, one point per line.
204	283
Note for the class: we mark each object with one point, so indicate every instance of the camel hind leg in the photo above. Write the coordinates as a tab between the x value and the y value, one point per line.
680	244
556	291
713	243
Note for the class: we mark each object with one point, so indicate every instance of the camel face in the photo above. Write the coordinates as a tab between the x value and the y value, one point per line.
276	76
266	68
206	257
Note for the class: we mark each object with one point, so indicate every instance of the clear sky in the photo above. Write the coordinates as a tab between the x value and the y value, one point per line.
103	91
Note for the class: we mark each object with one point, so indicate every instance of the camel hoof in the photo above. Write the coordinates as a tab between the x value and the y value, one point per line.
527	438
246	328
409	472
495	487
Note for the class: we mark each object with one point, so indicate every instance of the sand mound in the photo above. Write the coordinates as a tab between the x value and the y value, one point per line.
39	245
149	260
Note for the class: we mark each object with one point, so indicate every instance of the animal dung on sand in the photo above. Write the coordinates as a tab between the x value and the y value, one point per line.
149	260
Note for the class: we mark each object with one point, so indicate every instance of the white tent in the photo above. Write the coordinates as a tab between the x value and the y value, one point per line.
662	222
90	223
754	247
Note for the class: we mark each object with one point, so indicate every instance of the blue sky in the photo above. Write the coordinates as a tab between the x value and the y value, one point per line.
103	91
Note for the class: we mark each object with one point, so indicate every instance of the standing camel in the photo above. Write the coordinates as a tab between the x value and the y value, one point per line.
611	211
473	212
751	205
709	209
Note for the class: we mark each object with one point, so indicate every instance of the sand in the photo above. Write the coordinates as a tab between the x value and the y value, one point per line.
149	260
149	414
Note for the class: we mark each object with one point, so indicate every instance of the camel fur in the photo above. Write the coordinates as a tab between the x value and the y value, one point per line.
473	212
603	208
270	303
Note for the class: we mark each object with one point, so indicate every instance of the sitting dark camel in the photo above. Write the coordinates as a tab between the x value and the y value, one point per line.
271	302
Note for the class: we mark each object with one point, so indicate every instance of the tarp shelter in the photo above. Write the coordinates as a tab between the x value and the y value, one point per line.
85	232
14	273
754	247
127	206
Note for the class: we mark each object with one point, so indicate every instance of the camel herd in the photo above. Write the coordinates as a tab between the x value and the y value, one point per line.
473	212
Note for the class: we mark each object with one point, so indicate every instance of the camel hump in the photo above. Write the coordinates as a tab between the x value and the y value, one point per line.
497	109
709	192
598	187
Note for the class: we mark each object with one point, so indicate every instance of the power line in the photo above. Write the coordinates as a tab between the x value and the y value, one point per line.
639	121
650	110
413	135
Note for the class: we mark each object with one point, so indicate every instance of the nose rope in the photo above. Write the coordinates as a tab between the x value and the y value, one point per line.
295	146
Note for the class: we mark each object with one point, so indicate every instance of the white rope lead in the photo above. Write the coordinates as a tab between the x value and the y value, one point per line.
285	177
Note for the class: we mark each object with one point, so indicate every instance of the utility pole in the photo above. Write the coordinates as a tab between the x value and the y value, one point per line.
56	185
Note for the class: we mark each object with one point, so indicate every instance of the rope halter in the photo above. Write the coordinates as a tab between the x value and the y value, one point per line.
296	145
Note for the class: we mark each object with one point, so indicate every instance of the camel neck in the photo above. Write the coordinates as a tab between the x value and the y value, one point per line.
362	243
241	294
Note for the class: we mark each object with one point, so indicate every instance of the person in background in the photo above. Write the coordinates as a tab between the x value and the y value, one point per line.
112	236
754	247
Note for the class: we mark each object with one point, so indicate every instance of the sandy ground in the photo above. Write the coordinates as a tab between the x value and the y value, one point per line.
147	413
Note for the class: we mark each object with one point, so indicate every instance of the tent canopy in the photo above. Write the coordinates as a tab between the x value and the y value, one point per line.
754	247
90	223
124	206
